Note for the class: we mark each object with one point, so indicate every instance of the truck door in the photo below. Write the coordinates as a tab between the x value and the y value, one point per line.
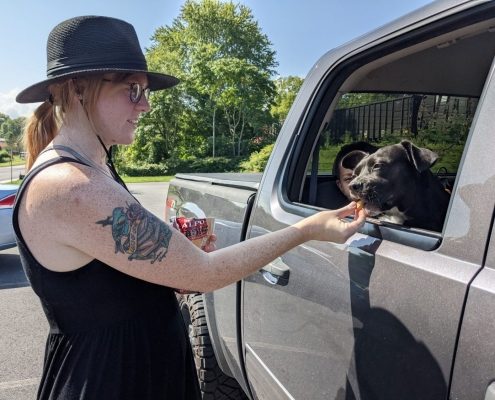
474	370
377	317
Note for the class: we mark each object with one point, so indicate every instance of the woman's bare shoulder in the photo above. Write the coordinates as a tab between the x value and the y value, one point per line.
58	203
72	189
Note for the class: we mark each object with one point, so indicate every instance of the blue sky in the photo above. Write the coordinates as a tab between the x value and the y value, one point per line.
299	30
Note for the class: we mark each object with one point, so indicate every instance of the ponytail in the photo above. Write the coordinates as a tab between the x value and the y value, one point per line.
40	130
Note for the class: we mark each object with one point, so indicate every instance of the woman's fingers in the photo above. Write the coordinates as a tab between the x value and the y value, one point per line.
210	243
360	216
347	210
352	209
348	228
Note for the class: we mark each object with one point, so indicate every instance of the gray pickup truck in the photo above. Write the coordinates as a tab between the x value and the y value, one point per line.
397	312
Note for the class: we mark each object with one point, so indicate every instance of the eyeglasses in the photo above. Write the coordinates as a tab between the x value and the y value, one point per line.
136	91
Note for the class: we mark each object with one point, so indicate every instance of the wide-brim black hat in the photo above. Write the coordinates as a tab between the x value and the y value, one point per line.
92	45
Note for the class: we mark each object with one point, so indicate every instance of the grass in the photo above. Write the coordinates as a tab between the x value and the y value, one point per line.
144	179
14	182
17	161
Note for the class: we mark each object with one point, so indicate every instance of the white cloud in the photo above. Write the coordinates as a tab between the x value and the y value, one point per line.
9	106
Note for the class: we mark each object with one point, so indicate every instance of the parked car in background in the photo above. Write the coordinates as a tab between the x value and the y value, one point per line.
7	198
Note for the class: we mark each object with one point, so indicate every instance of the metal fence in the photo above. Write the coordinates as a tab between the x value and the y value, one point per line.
405	115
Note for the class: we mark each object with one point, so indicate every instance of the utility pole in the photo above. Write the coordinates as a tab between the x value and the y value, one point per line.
11	166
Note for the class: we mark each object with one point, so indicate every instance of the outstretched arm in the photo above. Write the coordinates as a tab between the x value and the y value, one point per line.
141	236
97	218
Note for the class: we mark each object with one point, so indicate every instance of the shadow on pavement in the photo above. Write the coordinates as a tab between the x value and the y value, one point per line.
11	272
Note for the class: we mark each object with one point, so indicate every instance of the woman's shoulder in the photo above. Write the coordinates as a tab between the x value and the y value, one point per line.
65	182
60	172
63	202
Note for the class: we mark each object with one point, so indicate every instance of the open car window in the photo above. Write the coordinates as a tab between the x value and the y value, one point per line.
427	94
434	121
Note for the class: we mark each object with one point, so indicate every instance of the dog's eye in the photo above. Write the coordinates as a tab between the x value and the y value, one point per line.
376	167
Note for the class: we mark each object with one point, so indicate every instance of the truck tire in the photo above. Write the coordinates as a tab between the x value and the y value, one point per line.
214	384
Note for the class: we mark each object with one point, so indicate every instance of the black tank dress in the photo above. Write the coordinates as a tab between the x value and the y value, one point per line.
111	336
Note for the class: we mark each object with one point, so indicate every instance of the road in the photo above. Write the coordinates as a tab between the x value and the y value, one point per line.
5	173
23	328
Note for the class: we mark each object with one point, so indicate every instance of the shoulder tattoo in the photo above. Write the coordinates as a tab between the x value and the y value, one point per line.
138	233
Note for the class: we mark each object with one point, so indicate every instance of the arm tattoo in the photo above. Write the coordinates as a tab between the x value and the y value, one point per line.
138	233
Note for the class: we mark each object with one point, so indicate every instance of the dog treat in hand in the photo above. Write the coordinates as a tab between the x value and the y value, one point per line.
359	205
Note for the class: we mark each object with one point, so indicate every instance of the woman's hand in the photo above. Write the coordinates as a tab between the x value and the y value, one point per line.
210	245
331	225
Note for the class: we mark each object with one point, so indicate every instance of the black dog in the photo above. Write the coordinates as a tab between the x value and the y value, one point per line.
396	183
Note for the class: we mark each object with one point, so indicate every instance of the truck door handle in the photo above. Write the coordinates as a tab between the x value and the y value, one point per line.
276	273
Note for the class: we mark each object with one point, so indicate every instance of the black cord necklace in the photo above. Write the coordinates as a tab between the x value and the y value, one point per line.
110	164
108	151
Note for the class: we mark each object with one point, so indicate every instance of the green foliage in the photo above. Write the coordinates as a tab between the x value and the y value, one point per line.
223	105
11	131
176	165
143	169
225	64
147	179
286	92
327	157
208	164
4	156
16	160
452	130
257	161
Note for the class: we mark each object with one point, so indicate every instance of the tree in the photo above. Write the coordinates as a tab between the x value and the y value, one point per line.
286	92
11	131
225	66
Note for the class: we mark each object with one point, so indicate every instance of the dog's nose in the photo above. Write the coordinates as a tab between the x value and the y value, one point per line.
356	186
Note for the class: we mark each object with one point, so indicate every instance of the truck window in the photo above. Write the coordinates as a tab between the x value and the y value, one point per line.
367	121
426	94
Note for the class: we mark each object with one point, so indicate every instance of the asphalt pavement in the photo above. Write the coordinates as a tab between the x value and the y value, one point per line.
23	328
7	173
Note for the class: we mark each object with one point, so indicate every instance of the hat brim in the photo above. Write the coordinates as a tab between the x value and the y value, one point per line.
39	91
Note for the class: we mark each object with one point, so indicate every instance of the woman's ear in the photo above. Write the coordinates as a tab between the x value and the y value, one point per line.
77	89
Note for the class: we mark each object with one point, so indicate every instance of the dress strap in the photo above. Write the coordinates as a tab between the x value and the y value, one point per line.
69	150
89	163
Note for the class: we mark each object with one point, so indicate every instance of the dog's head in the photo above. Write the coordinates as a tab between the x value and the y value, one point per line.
385	180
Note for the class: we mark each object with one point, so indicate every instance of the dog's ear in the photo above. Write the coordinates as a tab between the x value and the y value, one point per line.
352	159
421	158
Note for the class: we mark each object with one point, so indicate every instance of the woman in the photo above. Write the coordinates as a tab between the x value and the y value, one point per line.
101	264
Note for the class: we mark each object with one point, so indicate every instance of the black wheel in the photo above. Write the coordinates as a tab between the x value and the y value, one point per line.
214	384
